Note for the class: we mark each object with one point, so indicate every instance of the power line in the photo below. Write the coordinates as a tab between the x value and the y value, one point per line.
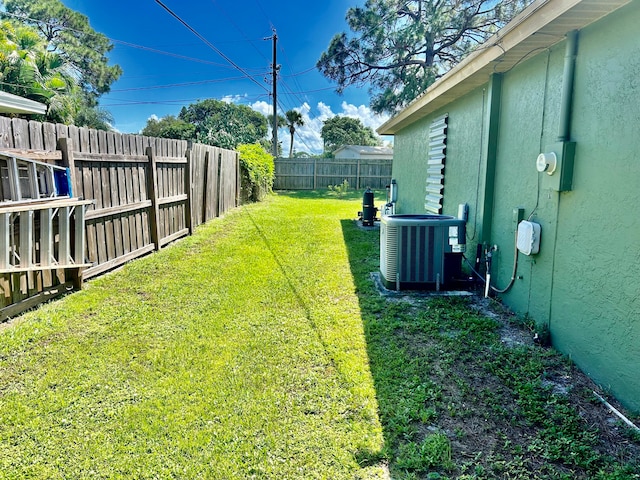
210	45
324	89
173	85
303	72
154	50
123	102
175	55
121	42
238	29
264	13
295	79
170	54
161	52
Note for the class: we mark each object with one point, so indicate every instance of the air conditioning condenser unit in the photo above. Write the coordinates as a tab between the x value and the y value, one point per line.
422	252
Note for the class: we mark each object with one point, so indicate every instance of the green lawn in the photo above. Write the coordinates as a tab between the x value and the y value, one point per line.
260	348
236	353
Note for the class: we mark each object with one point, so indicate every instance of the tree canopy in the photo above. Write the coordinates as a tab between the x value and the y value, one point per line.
338	131
169	127
50	54
28	69
400	47
69	34
212	122
224	124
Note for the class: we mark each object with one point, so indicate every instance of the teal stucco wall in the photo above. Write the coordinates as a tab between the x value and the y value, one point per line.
464	137
583	282
596	300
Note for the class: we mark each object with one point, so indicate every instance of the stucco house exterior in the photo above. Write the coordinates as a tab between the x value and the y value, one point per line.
362	152
561	80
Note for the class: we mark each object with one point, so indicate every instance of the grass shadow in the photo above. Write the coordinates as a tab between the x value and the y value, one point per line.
456	400
363	246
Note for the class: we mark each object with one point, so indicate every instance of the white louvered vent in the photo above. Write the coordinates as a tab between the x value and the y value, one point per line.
435	164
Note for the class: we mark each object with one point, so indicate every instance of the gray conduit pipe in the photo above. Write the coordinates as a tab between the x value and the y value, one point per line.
566	102
564	135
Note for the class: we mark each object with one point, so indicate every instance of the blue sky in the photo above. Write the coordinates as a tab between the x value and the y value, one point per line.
166	66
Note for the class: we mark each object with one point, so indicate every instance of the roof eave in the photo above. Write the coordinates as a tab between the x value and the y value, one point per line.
501	52
10	103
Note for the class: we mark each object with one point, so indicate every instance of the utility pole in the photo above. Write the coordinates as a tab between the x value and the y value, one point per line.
274	72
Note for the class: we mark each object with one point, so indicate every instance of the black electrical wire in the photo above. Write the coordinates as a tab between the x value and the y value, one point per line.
482	279
210	45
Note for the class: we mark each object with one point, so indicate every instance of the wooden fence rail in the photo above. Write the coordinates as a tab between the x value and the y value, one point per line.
314	173
141	193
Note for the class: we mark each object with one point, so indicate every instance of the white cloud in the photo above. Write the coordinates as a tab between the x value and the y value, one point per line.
325	111
365	114
263	107
233	98
308	139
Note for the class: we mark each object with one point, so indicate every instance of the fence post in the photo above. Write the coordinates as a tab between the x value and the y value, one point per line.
220	185
206	196
238	181
358	176
188	190
154	213
315	171
65	145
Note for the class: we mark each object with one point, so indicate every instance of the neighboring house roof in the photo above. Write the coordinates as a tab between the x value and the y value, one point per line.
365	151
539	26
10	103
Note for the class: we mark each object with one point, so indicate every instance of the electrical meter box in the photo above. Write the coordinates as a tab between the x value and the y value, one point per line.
528	237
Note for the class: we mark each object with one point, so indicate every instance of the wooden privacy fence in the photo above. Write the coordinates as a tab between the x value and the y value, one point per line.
314	173
138	194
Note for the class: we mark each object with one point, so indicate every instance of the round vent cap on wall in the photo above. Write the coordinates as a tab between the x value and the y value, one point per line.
547	162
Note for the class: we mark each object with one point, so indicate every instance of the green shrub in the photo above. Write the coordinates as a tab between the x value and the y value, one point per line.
341	188
257	168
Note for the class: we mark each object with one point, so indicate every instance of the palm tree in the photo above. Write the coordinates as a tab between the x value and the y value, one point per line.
28	69
293	119
19	48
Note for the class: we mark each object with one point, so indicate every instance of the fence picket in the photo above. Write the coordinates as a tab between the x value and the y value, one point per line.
311	174
147	193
